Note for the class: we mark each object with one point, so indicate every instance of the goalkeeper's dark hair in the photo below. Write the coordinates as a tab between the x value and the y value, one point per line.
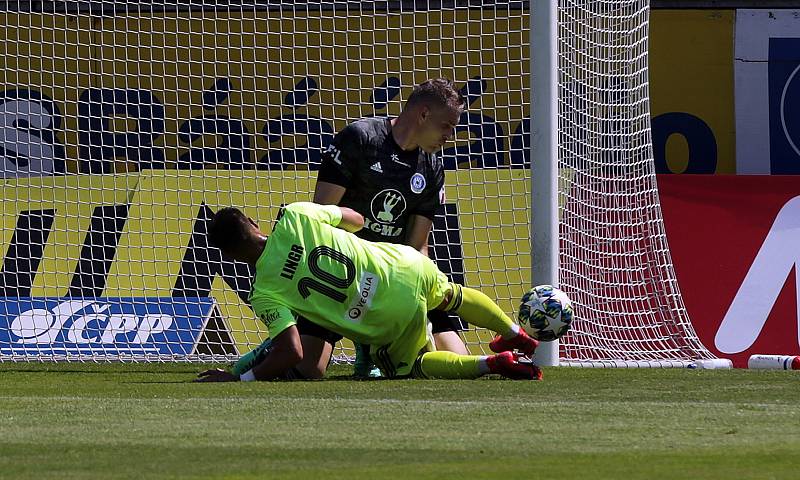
228	228
437	91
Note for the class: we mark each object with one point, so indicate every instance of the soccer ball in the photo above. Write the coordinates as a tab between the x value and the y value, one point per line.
545	313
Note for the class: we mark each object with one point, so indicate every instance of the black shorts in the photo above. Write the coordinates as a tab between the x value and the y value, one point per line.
442	321
307	327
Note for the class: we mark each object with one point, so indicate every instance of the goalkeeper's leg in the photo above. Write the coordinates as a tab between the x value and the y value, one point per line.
410	355
452	365
476	308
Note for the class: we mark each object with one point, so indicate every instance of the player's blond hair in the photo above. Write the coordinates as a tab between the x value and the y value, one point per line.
437	91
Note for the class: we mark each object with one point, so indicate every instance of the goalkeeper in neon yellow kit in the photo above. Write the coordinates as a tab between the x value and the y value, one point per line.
376	294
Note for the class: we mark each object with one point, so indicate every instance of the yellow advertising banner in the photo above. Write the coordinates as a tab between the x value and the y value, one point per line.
61	210
46	64
691	91
143	235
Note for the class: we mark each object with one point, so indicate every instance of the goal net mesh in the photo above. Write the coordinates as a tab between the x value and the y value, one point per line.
614	258
125	125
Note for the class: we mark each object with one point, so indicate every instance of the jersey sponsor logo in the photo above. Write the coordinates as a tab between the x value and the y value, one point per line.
360	305
334	153
385	230
269	316
417	183
396	159
387	206
292	261
376	167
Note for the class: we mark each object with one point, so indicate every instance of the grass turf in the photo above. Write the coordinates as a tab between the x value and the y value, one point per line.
76	421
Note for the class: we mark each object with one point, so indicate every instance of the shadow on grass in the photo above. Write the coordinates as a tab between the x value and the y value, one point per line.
332	378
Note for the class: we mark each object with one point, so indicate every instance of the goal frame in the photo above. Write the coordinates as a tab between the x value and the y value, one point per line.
544	155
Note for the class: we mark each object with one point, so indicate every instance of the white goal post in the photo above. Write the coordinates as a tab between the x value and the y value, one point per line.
125	124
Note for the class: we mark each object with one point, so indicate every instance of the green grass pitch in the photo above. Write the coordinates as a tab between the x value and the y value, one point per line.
85	421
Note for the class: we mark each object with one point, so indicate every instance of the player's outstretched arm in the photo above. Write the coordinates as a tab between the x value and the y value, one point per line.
352	221
419	228
286	352
328	193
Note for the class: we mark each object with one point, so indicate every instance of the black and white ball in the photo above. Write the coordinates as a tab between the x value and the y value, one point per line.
545	313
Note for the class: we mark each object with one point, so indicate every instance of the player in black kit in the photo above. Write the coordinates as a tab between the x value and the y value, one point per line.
387	170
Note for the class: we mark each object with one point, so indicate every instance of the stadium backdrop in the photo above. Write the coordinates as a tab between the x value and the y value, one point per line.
691	88
153	121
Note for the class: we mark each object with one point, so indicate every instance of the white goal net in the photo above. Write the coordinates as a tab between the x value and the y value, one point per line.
614	258
124	125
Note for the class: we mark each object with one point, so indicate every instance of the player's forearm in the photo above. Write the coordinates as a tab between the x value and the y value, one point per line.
276	365
352	221
419	228
286	353
328	193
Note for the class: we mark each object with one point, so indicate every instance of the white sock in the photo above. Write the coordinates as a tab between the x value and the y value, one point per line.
513	333
483	365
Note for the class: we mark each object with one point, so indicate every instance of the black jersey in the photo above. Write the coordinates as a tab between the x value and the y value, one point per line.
384	183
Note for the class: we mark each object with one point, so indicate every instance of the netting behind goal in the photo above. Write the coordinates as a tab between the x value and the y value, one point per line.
125	125
614	258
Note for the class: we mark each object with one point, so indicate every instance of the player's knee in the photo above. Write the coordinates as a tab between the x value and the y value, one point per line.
293	356
452	298
445	301
450	341
314	372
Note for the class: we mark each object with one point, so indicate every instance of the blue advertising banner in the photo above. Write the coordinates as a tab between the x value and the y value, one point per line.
767	67
784	105
107	326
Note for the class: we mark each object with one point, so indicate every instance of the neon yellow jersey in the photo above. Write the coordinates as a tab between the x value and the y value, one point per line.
368	292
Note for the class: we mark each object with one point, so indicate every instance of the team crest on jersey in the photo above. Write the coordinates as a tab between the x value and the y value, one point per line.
387	206
417	183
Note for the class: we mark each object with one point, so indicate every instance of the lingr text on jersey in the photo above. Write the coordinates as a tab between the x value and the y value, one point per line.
292	260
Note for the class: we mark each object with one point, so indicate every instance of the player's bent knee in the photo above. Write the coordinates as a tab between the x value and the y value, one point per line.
452	298
450	341
311	373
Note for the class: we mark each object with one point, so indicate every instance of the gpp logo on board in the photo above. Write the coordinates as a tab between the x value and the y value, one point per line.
134	325
86	321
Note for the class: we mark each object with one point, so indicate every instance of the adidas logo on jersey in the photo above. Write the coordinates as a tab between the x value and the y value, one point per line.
376	167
